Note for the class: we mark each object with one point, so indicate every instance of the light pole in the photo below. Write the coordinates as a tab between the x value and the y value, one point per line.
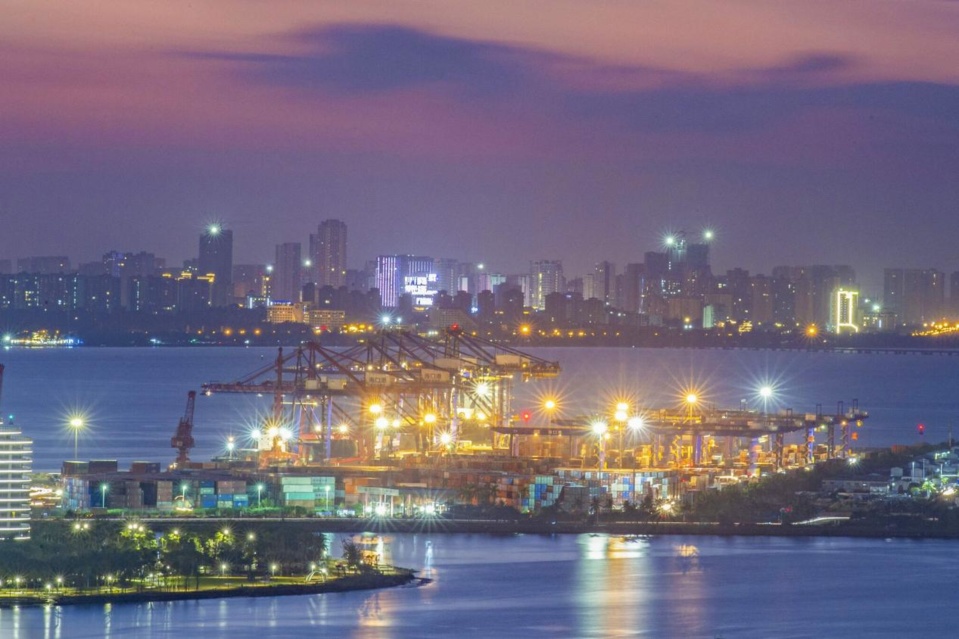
599	429
381	424
621	415
430	420
635	425
691	400
103	495
326	489
376	410
765	392
259	495
76	423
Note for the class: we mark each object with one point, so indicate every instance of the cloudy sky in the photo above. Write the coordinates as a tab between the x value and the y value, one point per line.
497	131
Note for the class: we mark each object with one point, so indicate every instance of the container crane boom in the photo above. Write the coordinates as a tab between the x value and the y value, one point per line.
183	439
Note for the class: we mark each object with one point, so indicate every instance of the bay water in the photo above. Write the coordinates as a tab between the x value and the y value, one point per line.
526	585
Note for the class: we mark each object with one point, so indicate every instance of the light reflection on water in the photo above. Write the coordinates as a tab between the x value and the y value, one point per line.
575	586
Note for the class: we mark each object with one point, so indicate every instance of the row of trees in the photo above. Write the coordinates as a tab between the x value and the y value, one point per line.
88	554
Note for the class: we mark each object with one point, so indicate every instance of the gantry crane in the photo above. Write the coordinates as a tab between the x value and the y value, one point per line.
183	439
420	386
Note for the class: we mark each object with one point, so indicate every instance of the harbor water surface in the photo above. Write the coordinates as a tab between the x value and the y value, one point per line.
526	586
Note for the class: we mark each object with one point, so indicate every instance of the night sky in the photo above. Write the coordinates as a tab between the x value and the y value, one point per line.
495	131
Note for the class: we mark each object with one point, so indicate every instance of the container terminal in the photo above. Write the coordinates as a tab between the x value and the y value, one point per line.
404	425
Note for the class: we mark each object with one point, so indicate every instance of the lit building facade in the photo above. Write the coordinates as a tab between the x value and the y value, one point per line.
16	461
545	277
400	274
216	259
844	314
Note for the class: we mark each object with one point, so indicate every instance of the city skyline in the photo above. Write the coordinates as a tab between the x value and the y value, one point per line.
498	135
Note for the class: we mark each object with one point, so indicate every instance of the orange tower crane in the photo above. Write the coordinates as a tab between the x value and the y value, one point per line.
183	439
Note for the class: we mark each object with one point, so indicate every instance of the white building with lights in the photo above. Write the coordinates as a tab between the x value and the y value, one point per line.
16	461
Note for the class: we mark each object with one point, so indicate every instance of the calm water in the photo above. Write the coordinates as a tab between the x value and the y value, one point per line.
579	586
133	398
527	586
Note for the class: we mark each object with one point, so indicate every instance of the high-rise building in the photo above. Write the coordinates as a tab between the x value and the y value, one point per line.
844	311
397	275
447	275
954	295
16	456
328	253
604	283
44	265
287	273
216	258
545	277
634	288
915	296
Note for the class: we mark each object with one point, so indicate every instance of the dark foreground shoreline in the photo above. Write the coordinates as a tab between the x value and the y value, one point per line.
369	581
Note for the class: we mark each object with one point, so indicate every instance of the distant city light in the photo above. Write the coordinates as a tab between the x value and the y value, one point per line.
214	229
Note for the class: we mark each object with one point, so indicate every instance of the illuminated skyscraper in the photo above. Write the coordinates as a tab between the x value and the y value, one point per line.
216	258
844	314
328	253
399	274
16	456
545	277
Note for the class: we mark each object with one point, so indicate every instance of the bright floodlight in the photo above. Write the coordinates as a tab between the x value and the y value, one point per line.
76	422
708	234
445	439
765	392
429	418
599	428
670	240
376	409
214	229
621	415
382	423
691	398
549	404
482	389
635	423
